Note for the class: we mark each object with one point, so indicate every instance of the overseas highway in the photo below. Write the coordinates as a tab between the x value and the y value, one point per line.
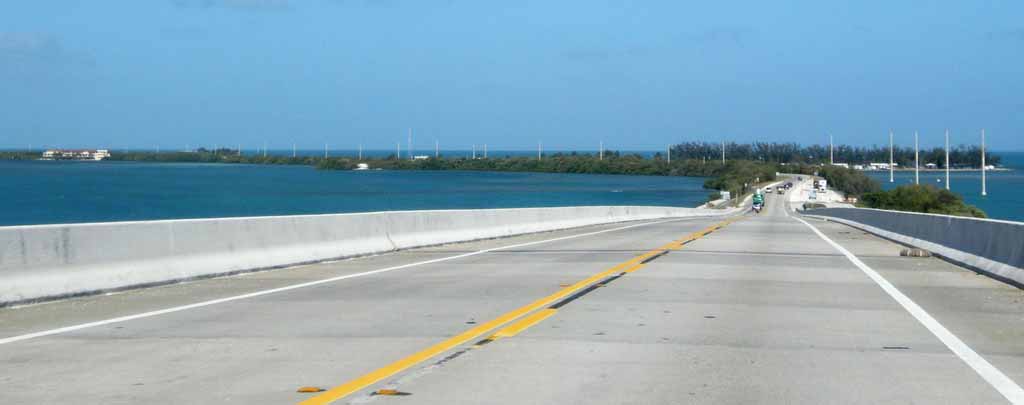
765	308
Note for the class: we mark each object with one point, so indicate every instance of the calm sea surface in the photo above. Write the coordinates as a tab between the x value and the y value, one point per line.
1005	198
36	192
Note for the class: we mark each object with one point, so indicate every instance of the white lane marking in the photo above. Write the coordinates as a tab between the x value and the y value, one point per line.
72	328
986	370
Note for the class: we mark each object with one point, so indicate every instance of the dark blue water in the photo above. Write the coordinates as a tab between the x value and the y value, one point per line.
37	192
1005	198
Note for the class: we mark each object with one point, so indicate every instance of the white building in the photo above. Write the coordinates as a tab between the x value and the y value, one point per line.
881	166
75	154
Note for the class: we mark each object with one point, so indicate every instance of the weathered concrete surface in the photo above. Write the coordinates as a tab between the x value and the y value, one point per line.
761	311
55	261
992	246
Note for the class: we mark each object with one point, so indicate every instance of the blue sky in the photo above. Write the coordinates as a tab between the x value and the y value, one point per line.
635	74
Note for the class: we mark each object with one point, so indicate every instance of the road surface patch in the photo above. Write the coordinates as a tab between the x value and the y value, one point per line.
1006	386
564	295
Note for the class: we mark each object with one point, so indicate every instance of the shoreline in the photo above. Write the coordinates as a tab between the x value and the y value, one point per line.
998	169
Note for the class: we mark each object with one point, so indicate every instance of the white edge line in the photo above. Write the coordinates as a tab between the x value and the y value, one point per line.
125	318
986	370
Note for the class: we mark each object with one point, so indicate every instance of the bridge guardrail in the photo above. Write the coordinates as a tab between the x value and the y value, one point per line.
993	247
51	261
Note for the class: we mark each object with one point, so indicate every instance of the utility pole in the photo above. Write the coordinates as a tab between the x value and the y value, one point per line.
600	151
409	148
830	160
917	163
360	151
437	150
891	162
293	150
723	152
474	151
264	148
485	151
947	159
325	150
668	153
239	149
539	149
984	190
398	150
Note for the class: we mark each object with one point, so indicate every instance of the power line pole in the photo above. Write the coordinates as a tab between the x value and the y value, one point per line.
539	150
947	159
891	162
917	163
409	148
398	150
325	150
474	151
984	189
293	150
485	151
668	153
723	152
830	160
360	151
600	151
437	150
264	148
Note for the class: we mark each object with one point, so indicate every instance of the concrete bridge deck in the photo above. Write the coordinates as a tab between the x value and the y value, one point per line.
761	310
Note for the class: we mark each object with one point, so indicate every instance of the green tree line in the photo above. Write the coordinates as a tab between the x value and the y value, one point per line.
921	198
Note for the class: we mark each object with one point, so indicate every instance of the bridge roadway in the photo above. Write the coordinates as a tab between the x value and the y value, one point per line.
762	310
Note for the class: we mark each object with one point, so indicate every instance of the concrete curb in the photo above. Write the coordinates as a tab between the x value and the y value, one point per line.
54	261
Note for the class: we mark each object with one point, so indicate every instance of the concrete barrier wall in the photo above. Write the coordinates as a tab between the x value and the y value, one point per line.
991	246
49	261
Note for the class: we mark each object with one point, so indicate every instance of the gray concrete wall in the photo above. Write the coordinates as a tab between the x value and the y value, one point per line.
48	261
991	246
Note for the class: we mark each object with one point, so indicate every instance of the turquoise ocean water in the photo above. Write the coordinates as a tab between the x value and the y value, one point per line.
1005	198
38	192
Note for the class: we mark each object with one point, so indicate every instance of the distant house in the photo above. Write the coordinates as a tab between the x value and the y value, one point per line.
931	166
843	165
76	154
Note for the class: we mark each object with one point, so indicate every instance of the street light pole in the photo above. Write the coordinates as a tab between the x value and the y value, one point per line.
917	164
891	162
984	190
947	159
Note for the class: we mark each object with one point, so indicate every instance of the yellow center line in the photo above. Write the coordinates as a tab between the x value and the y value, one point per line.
396	367
523	324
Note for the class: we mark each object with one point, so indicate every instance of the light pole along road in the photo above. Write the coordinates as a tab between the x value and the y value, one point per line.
752	309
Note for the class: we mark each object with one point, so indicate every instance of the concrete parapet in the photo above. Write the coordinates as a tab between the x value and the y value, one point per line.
51	261
993	247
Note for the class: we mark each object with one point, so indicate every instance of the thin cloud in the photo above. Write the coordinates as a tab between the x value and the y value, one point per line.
30	52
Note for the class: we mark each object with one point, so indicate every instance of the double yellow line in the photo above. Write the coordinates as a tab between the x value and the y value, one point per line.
389	370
